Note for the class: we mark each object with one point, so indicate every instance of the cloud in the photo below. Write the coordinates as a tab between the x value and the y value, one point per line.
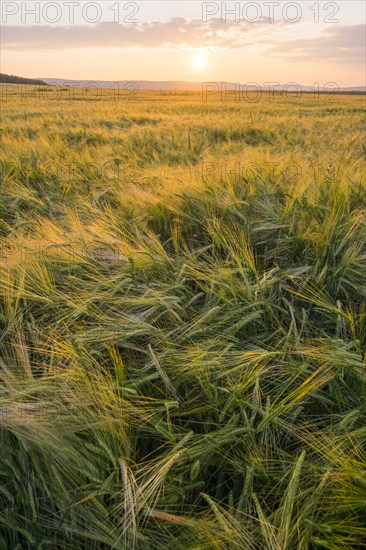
336	45
178	32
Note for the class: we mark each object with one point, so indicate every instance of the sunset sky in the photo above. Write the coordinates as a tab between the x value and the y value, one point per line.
108	40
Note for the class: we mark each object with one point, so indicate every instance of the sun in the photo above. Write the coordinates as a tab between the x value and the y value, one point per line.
199	61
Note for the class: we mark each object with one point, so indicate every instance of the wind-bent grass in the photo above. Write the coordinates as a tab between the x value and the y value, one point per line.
182	347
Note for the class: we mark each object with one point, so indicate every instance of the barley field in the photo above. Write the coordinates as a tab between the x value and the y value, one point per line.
182	322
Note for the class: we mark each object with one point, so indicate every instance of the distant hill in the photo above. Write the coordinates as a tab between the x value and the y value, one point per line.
172	85
12	79
142	84
164	85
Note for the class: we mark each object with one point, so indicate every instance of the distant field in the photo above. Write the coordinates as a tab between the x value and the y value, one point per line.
182	320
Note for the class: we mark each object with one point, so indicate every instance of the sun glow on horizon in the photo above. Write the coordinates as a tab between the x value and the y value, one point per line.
199	61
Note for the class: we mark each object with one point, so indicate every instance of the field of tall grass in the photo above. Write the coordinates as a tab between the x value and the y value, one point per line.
183	322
